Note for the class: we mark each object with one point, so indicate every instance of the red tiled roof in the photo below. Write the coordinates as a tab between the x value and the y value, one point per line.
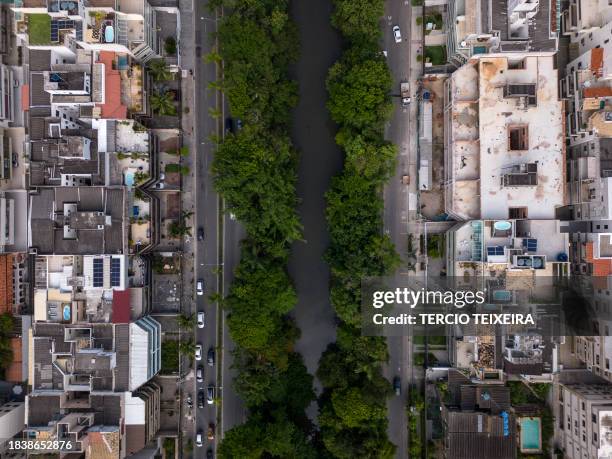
601	267
597	57
121	307
112	106
597	92
6	283
14	372
25	97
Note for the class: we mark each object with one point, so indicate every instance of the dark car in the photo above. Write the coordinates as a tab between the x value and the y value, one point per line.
200	233
211	432
233	125
209	454
211	356
201	399
210	395
397	385
200	373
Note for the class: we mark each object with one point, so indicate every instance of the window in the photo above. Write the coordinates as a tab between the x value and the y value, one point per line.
517	138
582	404
593	418
594	437
516	65
517	213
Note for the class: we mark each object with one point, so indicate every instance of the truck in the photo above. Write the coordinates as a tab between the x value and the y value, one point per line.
405	92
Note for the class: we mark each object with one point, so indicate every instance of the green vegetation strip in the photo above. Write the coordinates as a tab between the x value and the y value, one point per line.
353	415
255	174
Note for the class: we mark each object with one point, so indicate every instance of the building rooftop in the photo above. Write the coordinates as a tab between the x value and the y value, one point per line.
61	220
505	142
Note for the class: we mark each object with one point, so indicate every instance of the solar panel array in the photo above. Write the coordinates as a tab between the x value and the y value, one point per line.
98	272
496	250
531	245
65	24
115	272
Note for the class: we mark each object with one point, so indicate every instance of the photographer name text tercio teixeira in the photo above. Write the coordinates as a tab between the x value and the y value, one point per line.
411	298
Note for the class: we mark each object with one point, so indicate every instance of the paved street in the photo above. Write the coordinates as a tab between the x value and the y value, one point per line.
400	200
221	239
320	159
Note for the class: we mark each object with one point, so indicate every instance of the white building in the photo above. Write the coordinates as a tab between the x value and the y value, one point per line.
504	139
585	424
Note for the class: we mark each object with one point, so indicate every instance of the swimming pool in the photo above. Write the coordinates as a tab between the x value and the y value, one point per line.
502	295
128	178
531	440
66	312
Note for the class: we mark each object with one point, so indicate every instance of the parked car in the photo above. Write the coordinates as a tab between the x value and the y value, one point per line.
200	233
210	395
201	399
397	34
209	454
159	186
210	358
200	373
199	440
200	287
211	432
198	352
201	319
397	385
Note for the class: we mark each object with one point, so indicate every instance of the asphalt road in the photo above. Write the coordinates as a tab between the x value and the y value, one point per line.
397	215
320	159
220	244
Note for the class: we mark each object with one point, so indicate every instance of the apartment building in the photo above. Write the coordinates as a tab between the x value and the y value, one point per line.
90	380
478	27
584	426
12	422
477	420
504	138
127	26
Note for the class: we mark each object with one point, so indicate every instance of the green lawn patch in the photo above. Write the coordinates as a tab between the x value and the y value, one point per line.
435	19
39	29
169	357
436	54
435	246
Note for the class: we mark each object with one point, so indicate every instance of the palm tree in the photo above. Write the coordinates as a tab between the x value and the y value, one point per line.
159	70
187	348
185	321
163	103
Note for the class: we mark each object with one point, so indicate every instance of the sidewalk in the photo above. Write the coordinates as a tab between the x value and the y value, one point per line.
188	204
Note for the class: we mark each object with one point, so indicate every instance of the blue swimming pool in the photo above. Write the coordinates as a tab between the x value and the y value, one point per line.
128	178
530	434
66	312
502	295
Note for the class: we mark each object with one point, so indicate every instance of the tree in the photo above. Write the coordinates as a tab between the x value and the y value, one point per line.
159	70
359	93
358	20
186	322
162	103
256	176
170	46
187	348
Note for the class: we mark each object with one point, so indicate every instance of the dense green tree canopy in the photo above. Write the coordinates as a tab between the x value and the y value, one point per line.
358	20
359	93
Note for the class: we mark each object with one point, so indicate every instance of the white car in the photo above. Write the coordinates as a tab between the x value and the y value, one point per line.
200	320
397	35
198	352
199	441
200	287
